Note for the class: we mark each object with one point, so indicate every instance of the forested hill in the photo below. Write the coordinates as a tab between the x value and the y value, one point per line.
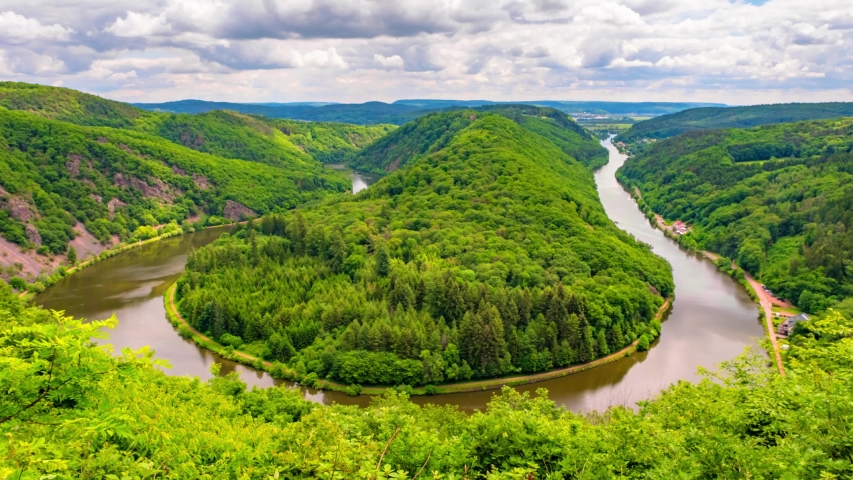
778	199
76	165
488	256
114	181
433	132
732	117
288	144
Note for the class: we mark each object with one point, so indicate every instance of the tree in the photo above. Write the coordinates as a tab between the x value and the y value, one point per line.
72	256
383	261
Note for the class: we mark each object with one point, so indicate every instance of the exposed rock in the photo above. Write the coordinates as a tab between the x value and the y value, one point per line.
102	140
394	165
237	211
159	189
72	164
125	148
19	209
200	181
112	205
96	198
33	234
89	183
192	140
177	170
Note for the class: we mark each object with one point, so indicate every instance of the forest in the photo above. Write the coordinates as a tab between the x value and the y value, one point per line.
707	118
777	199
486	254
433	132
71	409
69	157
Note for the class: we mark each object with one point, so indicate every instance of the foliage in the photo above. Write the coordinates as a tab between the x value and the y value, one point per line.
732	117
785	220
71	410
489	256
55	174
433	132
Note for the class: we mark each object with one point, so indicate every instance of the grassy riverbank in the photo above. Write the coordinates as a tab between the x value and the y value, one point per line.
282	372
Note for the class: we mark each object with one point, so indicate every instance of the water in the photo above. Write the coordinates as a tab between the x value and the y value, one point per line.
711	320
360	179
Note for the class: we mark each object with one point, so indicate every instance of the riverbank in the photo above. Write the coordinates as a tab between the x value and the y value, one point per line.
282	372
752	287
63	271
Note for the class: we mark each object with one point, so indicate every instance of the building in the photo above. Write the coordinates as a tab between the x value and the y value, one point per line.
680	227
787	326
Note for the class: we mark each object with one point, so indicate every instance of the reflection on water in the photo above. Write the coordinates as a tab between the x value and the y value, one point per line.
360	179
711	320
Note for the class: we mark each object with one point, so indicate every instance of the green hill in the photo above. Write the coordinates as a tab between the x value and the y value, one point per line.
491	254
113	181
778	199
284	143
67	105
732	117
75	159
432	132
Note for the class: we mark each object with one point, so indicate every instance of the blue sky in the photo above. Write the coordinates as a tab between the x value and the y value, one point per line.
741	51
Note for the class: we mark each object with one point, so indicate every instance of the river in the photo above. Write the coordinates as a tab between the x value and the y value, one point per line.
711	320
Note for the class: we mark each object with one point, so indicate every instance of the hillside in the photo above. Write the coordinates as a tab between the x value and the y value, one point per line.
288	144
732	117
777	199
83	171
67	105
488	256
432	132
113	181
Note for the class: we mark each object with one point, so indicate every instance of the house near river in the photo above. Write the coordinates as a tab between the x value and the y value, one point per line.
787	326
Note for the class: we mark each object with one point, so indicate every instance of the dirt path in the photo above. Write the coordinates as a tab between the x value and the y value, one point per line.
766	302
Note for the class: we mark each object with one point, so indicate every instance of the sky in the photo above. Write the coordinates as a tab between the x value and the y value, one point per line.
736	52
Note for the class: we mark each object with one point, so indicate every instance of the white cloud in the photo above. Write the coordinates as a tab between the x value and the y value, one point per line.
391	62
18	28
139	25
714	50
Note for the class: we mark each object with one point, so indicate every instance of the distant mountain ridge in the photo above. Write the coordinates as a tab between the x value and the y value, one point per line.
733	117
406	110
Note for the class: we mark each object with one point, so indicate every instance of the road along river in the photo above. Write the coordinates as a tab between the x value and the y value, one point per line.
711	320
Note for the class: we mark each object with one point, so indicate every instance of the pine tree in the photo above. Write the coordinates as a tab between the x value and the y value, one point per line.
338	250
383	262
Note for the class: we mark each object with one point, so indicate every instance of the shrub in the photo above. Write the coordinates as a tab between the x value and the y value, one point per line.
184	332
430	389
231	340
643	344
18	283
353	390
36	287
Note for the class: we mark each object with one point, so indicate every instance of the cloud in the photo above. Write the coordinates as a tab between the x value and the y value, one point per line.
16	28
139	25
390	62
355	50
